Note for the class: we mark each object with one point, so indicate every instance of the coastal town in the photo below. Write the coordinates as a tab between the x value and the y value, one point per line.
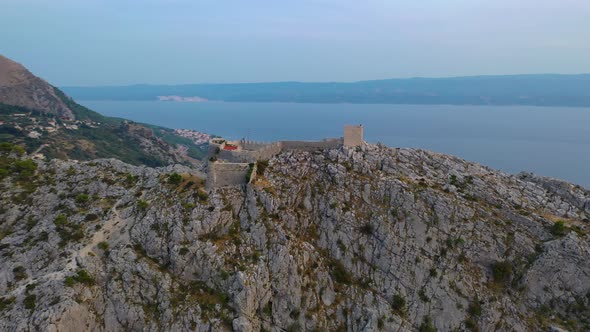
35	126
197	137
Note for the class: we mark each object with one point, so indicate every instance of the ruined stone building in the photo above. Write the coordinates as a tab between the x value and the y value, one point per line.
230	162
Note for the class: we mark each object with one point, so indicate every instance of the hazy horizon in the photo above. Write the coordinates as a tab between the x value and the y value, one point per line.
105	43
327	82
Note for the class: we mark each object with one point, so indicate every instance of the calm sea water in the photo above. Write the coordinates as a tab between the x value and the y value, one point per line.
551	141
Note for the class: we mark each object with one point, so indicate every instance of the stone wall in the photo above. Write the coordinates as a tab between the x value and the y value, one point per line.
311	145
222	174
265	152
232	167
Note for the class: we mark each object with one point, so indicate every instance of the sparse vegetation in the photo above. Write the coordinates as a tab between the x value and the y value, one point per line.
6	303
559	229
30	301
474	308
202	195
67	230
250	170
91	217
502	272
81	277
19	273
82	199
422	295
427	325
398	303
471	324
367	229
174	178
261	166
142	205
339	272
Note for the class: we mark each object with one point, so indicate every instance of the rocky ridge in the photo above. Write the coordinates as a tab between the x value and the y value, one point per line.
21	88
363	239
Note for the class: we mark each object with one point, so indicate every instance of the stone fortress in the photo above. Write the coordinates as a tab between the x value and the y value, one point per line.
230	162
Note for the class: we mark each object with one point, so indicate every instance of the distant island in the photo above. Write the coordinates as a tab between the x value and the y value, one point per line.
194	99
537	90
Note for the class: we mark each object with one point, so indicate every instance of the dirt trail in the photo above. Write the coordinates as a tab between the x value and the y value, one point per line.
110	230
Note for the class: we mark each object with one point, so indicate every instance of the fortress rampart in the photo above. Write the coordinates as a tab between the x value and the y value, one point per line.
232	161
222	174
311	146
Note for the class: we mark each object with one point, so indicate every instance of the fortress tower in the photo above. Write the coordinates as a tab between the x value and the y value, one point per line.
353	135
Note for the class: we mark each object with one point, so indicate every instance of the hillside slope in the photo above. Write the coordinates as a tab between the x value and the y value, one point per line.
368	239
19	87
43	119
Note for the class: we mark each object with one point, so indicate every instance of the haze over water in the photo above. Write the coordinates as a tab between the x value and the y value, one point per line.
550	141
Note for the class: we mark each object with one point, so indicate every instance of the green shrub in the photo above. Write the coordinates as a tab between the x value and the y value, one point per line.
142	205
130	179
6	303
82	199
81	277
174	178
183	251
339	272
67	230
398	303
25	169
453	180
559	229
91	217
6	147
3	173
422	295
19	150
202	195
249	173
367	229
103	245
474	308
502	272
471	324
30	301
188	206
433	272
427	325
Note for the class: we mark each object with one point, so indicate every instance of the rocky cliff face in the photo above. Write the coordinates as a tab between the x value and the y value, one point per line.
364	239
21	88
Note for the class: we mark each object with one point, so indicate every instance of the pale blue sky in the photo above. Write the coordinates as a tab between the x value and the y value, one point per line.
112	42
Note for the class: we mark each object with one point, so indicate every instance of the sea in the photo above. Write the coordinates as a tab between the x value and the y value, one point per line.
549	141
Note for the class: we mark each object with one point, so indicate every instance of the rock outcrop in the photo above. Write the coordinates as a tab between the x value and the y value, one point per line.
349	239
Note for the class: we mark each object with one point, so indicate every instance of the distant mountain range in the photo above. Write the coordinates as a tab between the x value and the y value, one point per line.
541	90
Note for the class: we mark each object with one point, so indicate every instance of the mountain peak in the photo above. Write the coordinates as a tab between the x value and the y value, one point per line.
19	87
